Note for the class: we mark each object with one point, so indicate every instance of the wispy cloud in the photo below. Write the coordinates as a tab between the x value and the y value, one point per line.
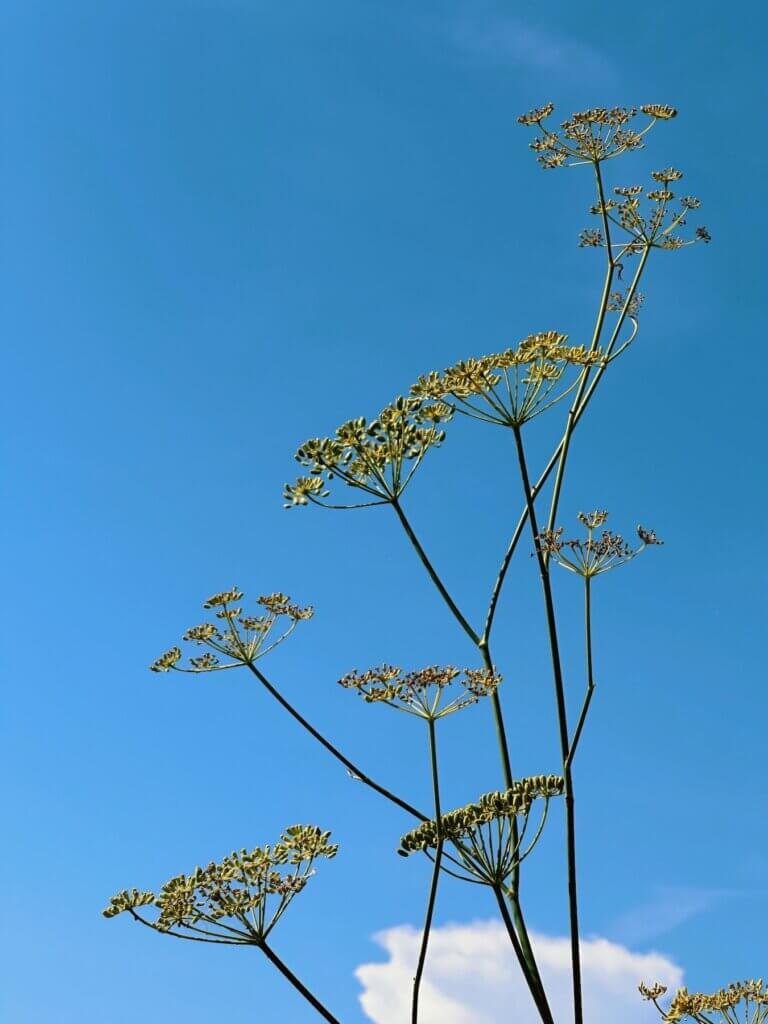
668	907
472	977
492	34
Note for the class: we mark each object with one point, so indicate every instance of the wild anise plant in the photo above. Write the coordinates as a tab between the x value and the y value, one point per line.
239	900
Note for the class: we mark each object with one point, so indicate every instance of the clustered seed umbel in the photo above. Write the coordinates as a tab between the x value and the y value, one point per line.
593	555
420	692
236	900
241	639
514	385
653	230
484	834
691	1005
592	136
378	458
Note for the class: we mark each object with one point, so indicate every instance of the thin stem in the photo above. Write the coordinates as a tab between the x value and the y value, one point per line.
349	765
433	574
435	876
537	996
562	719
288	973
566	441
531	969
514	890
590	678
554	460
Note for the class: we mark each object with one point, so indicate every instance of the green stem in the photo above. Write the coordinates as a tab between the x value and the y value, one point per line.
562	718
349	765
530	969
288	973
572	412
433	574
590	678
536	994
435	877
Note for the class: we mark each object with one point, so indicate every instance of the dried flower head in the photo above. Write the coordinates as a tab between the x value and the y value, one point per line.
511	387
591	136
629	304
236	901
659	111
696	1006
486	841
378	458
422	692
239	639
593	555
649	229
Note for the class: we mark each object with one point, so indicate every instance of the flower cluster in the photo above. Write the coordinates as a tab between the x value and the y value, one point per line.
513	386
237	900
421	692
618	300
591	136
485	834
693	1005
654	228
593	555
378	458
239	639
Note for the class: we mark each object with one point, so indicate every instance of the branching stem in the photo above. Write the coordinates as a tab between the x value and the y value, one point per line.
356	772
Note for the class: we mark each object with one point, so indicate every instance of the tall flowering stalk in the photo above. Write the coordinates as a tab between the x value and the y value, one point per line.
369	463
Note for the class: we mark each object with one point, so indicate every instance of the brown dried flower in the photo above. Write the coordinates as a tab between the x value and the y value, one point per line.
421	692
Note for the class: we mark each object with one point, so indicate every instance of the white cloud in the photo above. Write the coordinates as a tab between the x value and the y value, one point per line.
472	977
492	33
668	907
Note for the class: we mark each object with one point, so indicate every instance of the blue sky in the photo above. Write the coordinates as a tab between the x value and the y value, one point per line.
231	225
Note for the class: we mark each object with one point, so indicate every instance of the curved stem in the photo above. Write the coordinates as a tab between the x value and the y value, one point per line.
349	765
287	973
562	719
435	877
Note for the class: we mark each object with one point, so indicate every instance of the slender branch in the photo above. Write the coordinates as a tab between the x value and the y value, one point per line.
530	969
298	985
356	772
580	403
562	718
435	876
566	441
433	574
590	678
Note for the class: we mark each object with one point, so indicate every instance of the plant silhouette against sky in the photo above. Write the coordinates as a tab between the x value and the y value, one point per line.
372	462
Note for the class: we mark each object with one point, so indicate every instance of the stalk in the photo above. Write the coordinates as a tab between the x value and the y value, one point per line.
528	961
538	996
435	877
288	973
349	765
562	719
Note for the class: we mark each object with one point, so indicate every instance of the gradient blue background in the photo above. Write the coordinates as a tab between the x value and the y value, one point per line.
227	226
